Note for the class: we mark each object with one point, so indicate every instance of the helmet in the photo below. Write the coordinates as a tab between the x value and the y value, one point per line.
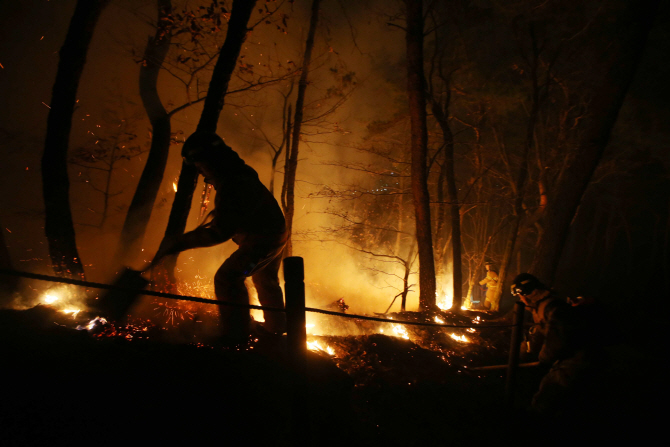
200	145
525	283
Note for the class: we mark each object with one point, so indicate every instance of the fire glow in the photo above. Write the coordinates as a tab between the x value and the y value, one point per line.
460	338
60	301
400	331
318	347
447	301
50	299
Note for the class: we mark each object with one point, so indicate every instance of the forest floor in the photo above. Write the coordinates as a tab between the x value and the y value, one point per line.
63	386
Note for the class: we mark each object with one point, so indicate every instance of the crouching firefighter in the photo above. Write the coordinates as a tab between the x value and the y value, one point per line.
570	348
246	212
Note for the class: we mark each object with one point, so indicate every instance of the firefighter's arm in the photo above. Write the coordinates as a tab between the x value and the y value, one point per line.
203	236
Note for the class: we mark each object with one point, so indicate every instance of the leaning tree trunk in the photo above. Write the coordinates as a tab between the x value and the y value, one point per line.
419	147
625	56
58	224
144	199
218	86
292	165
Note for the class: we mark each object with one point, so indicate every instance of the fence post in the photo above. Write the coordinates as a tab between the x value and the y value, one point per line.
515	345
296	340
294	277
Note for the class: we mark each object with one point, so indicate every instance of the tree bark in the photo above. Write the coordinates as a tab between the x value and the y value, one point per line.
141	206
419	149
292	166
218	86
519	186
58	224
287	157
618	74
8	284
442	117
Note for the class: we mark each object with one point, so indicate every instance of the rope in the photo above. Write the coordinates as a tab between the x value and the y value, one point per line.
95	285
415	323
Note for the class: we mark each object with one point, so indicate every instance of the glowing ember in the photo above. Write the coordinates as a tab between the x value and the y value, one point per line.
316	346
74	312
173	313
174	186
460	338
439	320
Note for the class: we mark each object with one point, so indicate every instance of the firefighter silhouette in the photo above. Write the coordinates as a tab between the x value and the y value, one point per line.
248	214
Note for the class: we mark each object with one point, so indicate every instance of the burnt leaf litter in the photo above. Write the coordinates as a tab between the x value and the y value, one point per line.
69	380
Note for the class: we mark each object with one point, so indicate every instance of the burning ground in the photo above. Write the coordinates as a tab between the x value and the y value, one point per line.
71	379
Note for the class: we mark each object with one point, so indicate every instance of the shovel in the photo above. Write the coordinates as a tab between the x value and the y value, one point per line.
114	304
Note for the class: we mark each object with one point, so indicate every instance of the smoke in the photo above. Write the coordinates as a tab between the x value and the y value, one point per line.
333	271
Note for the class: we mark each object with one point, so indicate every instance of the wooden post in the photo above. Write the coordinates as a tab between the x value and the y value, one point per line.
515	347
296	339
294	277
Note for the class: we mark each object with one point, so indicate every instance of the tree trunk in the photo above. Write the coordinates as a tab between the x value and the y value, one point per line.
419	147
144	199
285	144
519	186
292	166
506	262
58	224
218	86
618	74
7	283
287	157
442	117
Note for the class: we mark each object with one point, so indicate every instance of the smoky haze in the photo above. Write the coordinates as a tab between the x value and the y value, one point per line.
345	157
108	97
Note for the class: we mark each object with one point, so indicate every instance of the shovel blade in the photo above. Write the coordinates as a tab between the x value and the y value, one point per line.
115	304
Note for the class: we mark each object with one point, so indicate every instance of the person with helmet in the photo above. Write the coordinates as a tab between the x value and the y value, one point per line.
247	213
492	299
568	348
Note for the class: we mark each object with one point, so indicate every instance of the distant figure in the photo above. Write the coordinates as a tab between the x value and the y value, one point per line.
571	348
246	212
492	299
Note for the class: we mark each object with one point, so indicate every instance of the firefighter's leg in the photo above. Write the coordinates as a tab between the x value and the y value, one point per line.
563	386
229	286
270	294
550	398
494	303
